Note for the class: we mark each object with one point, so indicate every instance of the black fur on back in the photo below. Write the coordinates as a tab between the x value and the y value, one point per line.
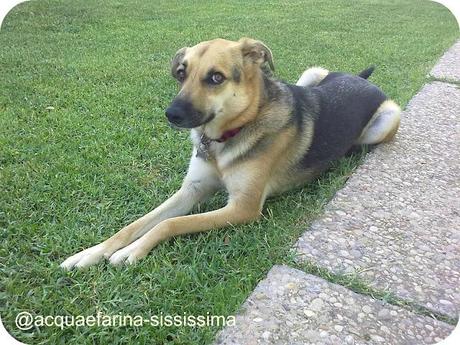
344	105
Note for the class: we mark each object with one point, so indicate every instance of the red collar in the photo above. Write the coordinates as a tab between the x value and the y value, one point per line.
228	134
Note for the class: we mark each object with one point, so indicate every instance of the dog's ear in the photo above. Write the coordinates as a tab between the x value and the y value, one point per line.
256	52
177	60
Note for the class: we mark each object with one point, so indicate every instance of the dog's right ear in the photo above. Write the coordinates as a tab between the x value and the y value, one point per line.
256	52
177	60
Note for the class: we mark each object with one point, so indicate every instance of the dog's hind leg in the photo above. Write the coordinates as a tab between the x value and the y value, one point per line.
383	125
312	76
201	182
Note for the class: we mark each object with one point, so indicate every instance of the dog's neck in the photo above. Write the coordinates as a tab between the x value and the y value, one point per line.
204	143
229	134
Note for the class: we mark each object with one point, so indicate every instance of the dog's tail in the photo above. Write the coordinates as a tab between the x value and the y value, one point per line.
367	72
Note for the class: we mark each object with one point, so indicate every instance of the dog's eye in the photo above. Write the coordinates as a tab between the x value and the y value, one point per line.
216	78
181	75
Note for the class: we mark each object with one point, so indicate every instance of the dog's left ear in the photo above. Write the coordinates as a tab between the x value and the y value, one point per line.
177	60
256	51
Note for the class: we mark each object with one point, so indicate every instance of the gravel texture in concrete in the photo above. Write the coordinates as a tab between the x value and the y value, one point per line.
295	308
448	66
396	223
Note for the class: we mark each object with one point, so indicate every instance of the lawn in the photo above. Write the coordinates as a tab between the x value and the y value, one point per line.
85	148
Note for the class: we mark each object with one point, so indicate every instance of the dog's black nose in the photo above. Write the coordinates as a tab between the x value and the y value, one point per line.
179	111
175	114
182	114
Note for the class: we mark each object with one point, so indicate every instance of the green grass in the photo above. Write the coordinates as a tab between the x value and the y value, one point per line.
72	175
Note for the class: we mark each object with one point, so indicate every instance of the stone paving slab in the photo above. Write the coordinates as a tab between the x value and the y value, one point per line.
448	66
295	308
396	223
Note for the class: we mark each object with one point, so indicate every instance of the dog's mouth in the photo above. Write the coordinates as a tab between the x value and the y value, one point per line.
176	127
191	122
209	118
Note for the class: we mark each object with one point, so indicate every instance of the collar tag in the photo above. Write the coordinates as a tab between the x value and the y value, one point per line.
203	148
205	142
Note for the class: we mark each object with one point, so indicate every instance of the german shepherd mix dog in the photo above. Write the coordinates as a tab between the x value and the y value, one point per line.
252	135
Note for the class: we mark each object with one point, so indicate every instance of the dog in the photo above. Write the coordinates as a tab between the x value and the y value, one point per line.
253	136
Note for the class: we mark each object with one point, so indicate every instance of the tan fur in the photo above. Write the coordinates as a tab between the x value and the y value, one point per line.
248	177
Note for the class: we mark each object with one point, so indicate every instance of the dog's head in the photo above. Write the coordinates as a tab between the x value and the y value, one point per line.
217	80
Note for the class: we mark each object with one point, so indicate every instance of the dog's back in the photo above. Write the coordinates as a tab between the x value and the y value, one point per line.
344	106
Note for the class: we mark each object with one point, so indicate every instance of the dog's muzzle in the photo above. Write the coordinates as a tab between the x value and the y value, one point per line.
181	113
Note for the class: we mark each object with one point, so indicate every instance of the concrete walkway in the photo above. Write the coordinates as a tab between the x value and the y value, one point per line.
395	225
448	66
295	308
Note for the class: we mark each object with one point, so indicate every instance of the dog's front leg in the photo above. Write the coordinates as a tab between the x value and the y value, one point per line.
233	213
245	204
201	182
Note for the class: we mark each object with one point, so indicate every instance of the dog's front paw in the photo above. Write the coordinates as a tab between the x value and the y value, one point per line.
85	258
129	254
